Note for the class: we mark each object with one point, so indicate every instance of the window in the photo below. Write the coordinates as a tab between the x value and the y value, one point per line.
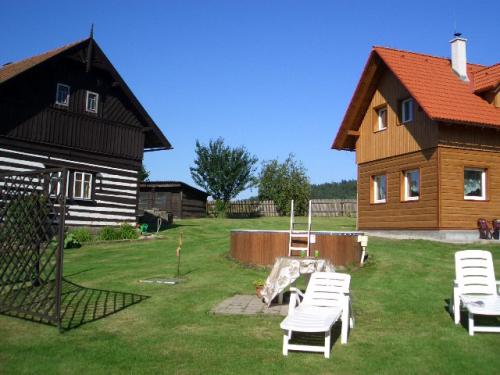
82	185
92	101
474	184
62	94
407	110
382	118
379	189
55	184
411	185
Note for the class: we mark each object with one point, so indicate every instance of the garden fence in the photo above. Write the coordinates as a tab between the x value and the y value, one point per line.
254	208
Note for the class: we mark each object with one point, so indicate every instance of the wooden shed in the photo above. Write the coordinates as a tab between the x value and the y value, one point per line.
179	198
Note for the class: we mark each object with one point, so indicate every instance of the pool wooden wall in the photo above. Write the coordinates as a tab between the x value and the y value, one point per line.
263	247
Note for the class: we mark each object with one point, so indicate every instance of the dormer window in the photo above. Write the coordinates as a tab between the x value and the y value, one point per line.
62	94
407	110
92	102
382	118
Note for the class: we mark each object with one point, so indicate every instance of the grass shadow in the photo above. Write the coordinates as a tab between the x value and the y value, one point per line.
79	305
481	320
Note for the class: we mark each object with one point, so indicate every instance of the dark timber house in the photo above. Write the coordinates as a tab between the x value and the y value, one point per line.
69	107
426	131
179	198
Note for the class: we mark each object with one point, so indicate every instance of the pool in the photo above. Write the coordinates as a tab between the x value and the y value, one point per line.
261	247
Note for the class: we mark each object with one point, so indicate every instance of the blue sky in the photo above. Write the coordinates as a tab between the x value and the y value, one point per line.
274	76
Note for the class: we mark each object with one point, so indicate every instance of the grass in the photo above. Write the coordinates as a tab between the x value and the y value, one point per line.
399	303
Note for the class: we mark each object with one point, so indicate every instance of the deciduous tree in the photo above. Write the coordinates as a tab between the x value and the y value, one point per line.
282	182
222	171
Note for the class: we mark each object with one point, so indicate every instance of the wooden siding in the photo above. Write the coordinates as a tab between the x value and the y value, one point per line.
397	139
181	201
455	211
396	213
263	247
469	137
29	113
115	190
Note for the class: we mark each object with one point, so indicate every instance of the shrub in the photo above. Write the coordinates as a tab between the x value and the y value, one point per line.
81	235
128	232
109	234
70	242
124	232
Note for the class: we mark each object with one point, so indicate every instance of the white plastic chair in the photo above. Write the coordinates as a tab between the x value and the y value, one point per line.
325	301
475	288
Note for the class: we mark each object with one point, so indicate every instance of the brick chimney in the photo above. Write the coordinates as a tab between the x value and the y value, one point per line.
459	56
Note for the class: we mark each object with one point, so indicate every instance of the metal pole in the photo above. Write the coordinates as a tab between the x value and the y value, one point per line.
60	246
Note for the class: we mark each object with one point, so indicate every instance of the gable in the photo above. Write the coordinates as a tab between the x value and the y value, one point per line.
429	80
78	53
396	138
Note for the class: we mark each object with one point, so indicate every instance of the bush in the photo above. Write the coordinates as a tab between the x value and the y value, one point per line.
70	242
128	232
125	232
81	235
109	234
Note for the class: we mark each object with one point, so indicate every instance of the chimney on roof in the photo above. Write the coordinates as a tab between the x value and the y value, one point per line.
459	56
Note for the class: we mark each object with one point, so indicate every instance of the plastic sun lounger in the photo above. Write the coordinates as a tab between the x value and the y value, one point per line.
325	301
475	288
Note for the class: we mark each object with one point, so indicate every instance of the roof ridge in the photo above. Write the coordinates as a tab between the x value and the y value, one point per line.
68	45
486	68
424	54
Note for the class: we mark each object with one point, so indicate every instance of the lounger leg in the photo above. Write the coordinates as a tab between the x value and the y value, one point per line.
280	298
456	307
471	324
345	326
327	343
286	338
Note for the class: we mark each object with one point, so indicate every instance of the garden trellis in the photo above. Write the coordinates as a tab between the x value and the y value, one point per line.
32	212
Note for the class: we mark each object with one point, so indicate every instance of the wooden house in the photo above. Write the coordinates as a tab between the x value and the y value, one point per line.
426	131
69	107
179	198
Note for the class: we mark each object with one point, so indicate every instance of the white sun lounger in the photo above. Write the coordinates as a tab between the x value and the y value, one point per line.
325	301
475	288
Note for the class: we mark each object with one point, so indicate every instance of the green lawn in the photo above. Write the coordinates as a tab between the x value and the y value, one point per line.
402	326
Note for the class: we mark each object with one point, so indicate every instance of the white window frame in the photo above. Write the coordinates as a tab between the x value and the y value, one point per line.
375	189
66	103
407	185
82	189
406	117
483	184
379	118
96	102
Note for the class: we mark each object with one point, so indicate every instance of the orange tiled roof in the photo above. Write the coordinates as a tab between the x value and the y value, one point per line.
432	83
487	78
440	93
11	70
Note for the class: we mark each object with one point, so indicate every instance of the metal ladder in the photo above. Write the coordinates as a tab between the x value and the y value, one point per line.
299	235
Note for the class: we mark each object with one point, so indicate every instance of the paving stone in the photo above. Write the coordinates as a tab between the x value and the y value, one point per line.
247	305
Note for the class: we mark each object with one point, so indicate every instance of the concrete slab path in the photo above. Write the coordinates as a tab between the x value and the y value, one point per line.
242	304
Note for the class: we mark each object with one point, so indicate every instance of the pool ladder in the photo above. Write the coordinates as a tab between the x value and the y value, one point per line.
299	239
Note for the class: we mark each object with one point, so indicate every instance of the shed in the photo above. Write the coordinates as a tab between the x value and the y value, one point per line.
182	200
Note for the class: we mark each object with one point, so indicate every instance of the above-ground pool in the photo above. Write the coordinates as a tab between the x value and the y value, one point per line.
261	247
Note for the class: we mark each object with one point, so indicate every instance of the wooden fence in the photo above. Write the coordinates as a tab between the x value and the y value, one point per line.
320	207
